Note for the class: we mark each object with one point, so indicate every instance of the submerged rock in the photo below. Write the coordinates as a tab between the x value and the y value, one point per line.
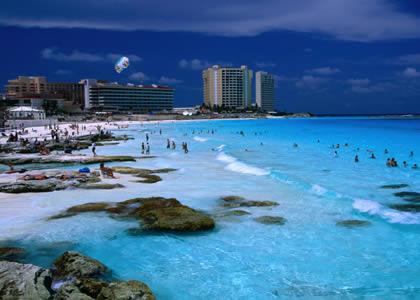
24	281
101	186
409	196
353	223
155	213
232	198
250	204
271	220
147	175
126	290
236	212
394	186
11	253
406	207
74	264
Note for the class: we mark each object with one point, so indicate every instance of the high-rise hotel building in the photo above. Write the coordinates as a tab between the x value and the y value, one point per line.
264	89
231	87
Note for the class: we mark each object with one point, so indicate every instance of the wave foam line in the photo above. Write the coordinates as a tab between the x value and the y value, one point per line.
235	165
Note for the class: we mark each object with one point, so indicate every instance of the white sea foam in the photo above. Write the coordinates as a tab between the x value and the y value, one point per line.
367	206
392	216
200	139
220	148
240	167
319	190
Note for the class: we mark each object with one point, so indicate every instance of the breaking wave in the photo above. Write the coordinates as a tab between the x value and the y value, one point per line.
235	165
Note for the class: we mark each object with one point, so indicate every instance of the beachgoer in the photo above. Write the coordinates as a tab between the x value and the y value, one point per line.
356	158
168	143
405	163
372	156
386	151
388	162
94	149
411	153
415	166
106	172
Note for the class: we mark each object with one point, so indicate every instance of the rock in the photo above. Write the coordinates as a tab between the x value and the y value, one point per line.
236	212
250	204
394	186
406	207
74	264
91	287
101	186
61	159
71	292
127	170
24	281
155	213
409	196
271	220
232	198
353	223
33	186
149	178
126	290
164	170
11	253
88	207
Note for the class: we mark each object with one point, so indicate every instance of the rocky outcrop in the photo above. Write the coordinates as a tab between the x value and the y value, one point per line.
24	281
232	198
148	176
271	220
75	278
126	290
21	159
155	213
34	186
74	264
101	186
353	223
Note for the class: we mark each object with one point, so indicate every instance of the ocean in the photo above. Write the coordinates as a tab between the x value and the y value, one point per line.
290	161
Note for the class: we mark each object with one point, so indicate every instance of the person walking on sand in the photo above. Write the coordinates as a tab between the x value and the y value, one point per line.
94	149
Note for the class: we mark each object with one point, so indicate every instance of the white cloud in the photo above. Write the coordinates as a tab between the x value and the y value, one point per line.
169	80
139	76
198	64
357	20
324	71
76	55
364	86
410	73
310	82
265	64
363	81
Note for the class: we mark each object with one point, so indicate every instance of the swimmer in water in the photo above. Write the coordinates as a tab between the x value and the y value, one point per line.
372	156
356	158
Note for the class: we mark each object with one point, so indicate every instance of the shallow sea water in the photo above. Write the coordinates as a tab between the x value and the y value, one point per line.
310	256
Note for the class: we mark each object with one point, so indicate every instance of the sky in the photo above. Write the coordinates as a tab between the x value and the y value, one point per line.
327	56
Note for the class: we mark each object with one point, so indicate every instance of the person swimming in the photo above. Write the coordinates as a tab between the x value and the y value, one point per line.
386	151
411	153
356	158
405	163
372	156
415	166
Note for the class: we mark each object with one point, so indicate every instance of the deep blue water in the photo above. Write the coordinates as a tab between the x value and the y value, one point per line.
308	256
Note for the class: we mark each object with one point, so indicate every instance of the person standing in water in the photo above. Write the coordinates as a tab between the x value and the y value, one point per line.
356	158
94	149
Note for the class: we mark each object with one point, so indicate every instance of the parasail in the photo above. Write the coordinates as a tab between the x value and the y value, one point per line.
122	64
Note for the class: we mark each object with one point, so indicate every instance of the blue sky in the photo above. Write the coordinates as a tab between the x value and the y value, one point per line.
328	56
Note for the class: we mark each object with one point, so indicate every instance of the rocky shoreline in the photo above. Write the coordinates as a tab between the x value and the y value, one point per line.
73	276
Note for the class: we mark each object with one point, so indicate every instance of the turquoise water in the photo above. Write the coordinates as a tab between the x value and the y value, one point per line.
241	259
